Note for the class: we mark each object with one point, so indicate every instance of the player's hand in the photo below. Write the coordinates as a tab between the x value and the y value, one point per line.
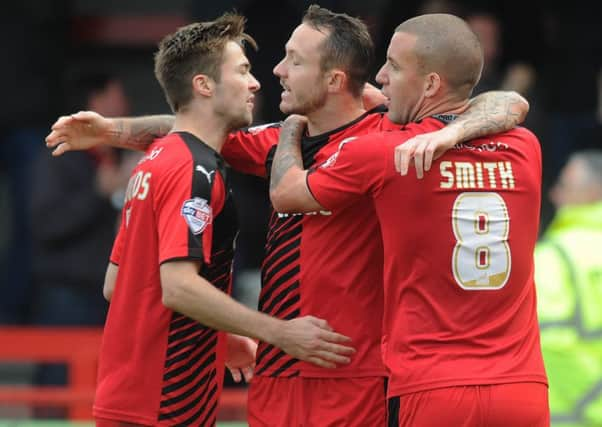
79	131
372	96
240	359
423	149
313	340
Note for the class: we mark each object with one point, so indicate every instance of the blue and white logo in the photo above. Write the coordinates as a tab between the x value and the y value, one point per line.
197	213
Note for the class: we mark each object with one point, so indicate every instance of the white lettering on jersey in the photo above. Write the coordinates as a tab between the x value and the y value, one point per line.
152	155
128	213
489	146
473	175
138	186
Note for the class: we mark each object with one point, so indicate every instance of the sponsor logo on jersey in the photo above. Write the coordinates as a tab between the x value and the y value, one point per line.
197	213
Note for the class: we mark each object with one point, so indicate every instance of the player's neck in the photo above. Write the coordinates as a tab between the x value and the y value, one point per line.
208	129
443	106
336	112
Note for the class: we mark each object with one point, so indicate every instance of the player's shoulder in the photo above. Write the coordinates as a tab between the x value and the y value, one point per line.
520	138
427	124
368	141
377	113
263	134
393	135
360	148
379	109
523	133
375	120
174	150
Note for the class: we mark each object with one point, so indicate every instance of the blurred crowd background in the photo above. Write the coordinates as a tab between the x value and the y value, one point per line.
58	216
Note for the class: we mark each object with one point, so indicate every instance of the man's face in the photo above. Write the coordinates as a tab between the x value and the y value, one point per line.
300	74
233	95
402	82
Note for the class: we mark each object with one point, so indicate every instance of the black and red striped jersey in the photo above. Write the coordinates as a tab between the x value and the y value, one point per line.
159	367
325	264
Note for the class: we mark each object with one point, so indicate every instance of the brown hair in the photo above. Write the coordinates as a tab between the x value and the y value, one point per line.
348	45
446	45
196	49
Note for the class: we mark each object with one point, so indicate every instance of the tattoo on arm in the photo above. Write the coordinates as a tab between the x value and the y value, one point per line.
139	133
288	152
490	113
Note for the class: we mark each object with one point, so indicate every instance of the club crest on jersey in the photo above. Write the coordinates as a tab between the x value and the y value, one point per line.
197	213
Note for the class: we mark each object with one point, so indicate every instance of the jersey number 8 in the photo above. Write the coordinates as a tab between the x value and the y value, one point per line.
481	258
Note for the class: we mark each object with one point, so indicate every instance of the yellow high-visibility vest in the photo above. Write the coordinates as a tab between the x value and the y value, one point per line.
568	276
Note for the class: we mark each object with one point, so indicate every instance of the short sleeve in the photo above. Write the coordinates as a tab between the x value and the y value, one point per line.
184	213
247	150
356	169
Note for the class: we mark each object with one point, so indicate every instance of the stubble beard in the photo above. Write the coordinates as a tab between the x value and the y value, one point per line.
241	121
311	105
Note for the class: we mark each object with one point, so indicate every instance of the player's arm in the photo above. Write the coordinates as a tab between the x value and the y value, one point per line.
110	278
87	129
245	151
488	113
248	150
306	338
288	183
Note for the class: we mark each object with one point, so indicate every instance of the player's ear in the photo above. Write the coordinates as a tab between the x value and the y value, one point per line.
203	84
432	84
337	79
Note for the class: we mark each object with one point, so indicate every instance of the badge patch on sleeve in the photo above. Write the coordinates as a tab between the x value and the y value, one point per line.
197	214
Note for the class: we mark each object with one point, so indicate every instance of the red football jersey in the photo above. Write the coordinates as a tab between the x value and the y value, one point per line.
158	367
458	247
321	264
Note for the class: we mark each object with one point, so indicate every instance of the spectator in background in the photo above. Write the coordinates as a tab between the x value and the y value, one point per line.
73	223
488	29
568	275
395	11
516	76
503	70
